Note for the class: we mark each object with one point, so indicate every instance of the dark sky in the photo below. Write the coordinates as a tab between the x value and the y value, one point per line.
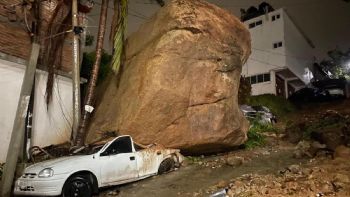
326	22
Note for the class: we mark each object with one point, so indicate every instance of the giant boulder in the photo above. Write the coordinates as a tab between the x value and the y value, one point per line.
180	81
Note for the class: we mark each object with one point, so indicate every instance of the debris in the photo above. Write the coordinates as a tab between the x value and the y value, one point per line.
221	193
234	161
342	152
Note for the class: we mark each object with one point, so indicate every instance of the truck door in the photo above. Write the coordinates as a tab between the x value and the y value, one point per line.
118	162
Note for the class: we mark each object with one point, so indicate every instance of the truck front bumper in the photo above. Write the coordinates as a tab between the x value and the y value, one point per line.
39	186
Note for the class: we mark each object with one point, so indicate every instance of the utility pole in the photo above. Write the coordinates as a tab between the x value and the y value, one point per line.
76	69
17	135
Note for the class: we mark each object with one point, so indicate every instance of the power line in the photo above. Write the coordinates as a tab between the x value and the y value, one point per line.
281	54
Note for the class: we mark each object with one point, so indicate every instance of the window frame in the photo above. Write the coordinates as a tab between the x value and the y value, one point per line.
108	152
259	22
251	77
269	78
252	25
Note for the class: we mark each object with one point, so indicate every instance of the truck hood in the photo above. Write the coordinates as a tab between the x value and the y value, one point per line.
60	165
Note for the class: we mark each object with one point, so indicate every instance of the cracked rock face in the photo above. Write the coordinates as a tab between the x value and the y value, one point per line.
180	82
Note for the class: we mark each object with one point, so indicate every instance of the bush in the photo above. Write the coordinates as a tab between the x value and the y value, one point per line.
255	133
278	105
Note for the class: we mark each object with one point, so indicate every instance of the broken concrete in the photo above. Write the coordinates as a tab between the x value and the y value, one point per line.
180	81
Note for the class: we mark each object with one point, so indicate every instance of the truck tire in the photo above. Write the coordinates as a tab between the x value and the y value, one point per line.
77	186
166	165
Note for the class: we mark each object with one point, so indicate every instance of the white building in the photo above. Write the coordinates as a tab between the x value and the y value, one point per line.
280	57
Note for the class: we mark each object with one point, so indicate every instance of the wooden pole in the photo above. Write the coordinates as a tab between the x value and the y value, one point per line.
17	134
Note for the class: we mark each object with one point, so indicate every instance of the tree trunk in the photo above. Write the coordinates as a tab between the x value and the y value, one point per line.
89	99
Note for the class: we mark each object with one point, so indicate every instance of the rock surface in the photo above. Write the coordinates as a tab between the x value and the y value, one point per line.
180	81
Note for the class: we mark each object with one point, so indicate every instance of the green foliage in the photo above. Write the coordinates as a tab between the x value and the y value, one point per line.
255	137
255	133
278	105
337	63
193	160
244	91
118	29
88	62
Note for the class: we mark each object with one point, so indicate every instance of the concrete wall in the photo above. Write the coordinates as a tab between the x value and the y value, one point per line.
51	125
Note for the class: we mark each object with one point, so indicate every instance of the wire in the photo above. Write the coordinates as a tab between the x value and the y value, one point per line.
281	54
267	63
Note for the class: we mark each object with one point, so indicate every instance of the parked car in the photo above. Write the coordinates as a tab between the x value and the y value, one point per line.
117	162
263	113
310	94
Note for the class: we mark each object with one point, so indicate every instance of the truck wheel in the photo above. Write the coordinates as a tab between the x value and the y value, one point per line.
166	165
77	186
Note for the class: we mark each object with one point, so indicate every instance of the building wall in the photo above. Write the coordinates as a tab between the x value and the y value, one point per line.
294	54
300	53
51	125
265	58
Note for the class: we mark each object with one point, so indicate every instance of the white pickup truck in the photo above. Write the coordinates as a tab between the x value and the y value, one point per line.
118	161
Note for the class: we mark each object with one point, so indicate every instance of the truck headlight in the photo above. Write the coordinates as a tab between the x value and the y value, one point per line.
45	173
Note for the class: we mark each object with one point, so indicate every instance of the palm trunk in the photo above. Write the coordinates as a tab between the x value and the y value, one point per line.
89	99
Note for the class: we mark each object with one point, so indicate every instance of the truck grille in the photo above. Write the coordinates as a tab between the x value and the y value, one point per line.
27	189
29	175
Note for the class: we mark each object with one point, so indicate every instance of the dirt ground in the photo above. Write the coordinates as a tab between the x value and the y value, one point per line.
201	176
272	170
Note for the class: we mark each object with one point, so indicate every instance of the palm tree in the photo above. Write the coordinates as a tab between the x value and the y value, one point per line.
118	32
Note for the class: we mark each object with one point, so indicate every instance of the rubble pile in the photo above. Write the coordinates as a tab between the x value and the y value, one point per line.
179	85
296	180
324	131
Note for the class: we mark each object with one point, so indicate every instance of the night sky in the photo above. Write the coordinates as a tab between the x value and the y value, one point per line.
325	22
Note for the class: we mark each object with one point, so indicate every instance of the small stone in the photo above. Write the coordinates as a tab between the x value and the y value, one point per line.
342	152
342	178
295	169
234	161
221	184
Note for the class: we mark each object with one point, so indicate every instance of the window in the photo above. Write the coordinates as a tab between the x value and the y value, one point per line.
120	145
260	78
275	17
258	23
267	77
253	80
277	45
251	25
254	24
